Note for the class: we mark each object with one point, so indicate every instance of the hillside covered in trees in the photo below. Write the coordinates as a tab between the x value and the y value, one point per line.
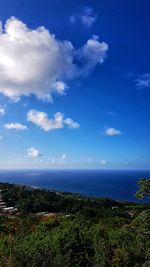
52	229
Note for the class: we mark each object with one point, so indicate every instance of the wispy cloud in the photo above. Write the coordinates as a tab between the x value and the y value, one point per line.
112	113
41	119
103	162
34	62
2	111
87	17
112	131
15	125
64	156
143	81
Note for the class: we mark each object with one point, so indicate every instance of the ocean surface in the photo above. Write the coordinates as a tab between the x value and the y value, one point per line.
115	184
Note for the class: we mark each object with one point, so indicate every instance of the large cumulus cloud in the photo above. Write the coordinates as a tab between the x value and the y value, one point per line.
35	62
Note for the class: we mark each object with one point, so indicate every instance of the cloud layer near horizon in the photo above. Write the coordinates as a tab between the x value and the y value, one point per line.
35	62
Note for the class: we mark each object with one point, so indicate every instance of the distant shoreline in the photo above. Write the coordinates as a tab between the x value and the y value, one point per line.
72	194
119	185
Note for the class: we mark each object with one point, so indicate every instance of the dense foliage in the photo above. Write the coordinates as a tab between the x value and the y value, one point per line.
144	190
98	232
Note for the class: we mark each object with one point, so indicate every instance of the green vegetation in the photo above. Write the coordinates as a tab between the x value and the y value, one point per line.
96	232
144	185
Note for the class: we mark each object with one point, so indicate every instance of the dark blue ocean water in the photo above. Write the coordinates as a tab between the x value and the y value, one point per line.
115	184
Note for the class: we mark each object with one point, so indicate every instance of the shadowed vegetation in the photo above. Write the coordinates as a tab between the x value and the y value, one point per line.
97	232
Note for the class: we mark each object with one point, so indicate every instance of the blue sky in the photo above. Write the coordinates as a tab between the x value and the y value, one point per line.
74	84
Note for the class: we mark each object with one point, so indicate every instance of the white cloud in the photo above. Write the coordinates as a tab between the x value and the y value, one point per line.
2	111
64	156
71	124
103	162
60	87
15	125
59	161
35	62
93	53
112	132
143	81
33	152
41	119
87	17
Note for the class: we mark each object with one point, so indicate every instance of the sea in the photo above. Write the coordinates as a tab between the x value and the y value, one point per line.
115	184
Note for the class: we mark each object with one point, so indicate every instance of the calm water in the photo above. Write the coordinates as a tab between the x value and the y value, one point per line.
115	184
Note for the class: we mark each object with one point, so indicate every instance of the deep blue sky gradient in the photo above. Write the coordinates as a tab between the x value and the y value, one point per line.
108	97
